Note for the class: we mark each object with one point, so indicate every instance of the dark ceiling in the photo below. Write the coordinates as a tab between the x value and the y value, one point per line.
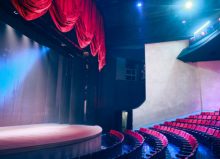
127	26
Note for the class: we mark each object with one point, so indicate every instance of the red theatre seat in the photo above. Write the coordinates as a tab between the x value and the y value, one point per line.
187	143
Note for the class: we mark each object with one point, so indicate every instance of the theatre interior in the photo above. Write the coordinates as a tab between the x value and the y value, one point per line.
110	79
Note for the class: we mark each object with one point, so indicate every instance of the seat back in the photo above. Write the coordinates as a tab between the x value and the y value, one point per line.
119	135
210	131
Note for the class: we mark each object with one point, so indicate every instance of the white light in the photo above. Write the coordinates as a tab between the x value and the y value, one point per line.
15	12
202	28
184	21
139	4
203	33
188	5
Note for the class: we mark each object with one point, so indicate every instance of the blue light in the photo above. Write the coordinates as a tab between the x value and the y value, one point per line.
203	27
13	70
184	21
139	4
18	56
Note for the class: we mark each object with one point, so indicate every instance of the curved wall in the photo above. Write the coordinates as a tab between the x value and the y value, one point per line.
174	88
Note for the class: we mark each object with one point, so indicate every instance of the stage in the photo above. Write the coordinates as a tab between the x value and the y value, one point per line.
49	141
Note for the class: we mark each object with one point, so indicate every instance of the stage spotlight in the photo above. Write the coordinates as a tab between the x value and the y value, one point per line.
203	33
184	21
188	5
139	4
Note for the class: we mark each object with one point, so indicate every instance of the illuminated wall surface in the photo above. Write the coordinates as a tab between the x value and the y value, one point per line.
31	80
209	74
18	57
174	88
22	74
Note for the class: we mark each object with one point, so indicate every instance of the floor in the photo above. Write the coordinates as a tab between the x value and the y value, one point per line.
202	153
126	148
172	150
145	150
205	153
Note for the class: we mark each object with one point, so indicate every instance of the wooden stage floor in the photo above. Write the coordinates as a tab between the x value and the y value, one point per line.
32	138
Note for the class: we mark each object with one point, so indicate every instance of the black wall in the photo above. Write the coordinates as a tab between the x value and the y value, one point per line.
118	95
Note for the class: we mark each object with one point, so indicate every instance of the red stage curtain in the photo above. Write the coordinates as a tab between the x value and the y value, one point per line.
31	9
86	23
65	13
97	45
101	57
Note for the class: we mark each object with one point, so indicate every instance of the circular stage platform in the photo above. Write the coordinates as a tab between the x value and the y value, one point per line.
49	141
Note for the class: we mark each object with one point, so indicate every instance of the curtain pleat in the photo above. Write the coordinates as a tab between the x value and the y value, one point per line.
31	9
85	25
96	41
97	45
67	14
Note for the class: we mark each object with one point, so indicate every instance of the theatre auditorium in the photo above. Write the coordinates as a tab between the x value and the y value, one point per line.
109	79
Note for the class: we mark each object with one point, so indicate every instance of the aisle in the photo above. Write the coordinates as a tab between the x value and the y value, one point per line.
172	150
204	153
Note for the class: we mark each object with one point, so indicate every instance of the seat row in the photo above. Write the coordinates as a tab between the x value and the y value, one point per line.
205	117
136	150
200	129
211	113
205	122
157	141
187	143
117	134
136	135
206	135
